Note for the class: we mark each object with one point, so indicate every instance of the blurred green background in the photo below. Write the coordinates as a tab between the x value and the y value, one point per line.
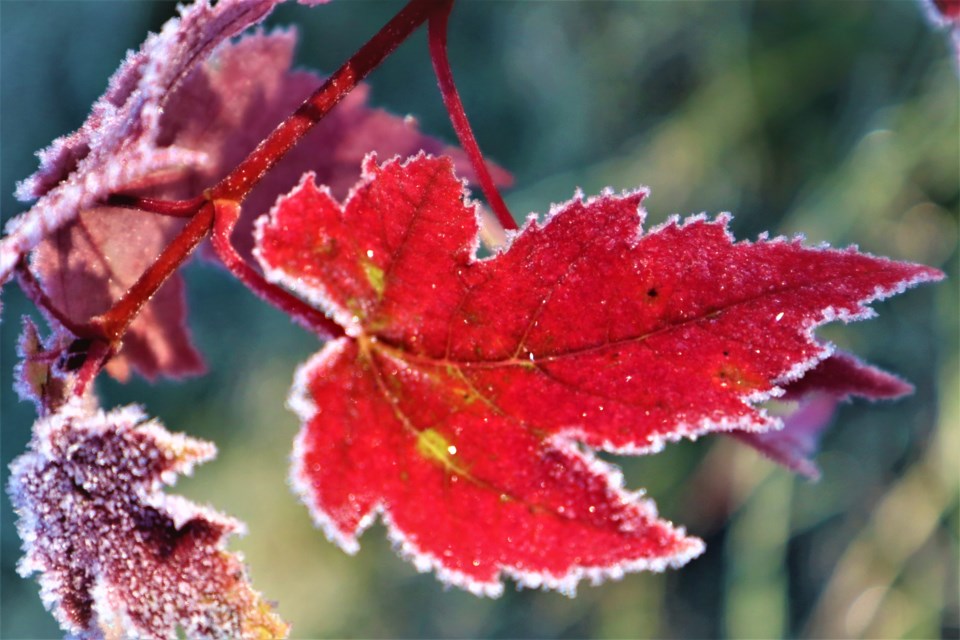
837	119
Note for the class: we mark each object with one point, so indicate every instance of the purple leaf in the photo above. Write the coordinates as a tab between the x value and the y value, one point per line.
115	554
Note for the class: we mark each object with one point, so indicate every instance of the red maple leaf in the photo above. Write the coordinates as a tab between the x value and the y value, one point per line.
455	405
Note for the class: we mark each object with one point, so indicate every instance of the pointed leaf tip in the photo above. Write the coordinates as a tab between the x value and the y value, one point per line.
819	391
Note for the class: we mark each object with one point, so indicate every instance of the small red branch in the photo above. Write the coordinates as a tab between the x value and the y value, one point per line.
451	99
173	208
227	212
96	357
114	323
242	179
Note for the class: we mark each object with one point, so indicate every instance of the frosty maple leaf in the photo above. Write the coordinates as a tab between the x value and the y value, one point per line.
454	403
115	554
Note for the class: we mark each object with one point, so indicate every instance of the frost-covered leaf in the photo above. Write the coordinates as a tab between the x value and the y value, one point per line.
117	149
834	380
843	376
167	102
117	146
454	406
116	556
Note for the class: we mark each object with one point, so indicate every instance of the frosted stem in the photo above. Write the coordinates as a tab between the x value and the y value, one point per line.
451	99
226	216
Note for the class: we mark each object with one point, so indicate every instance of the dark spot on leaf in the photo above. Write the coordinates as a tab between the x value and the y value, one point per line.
80	345
79	488
76	354
158	528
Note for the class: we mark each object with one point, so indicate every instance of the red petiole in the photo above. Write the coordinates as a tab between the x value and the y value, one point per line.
114	323
437	30
172	208
227	212
242	179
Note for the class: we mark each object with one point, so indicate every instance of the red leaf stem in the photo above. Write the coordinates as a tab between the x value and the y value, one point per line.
172	208
227	212
112	324
246	175
437	29
96	357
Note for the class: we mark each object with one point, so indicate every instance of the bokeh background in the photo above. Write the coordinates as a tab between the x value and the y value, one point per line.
837	119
